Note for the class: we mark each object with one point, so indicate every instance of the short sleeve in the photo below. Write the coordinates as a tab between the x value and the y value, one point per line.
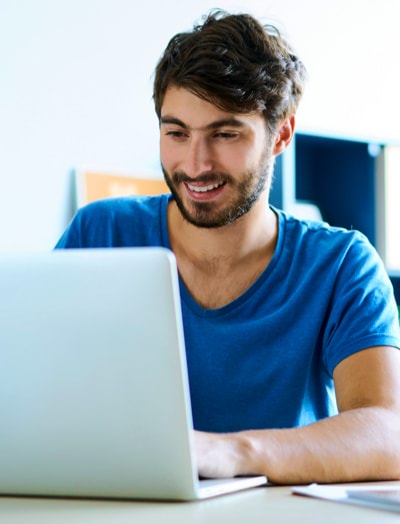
363	311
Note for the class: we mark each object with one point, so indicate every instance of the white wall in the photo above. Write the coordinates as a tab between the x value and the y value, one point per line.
75	89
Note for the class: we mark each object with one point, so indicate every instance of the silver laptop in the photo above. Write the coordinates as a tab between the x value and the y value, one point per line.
94	397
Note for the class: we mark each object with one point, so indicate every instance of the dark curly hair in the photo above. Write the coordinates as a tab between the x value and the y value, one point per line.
235	63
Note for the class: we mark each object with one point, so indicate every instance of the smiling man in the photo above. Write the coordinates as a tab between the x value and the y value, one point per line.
291	327
217	140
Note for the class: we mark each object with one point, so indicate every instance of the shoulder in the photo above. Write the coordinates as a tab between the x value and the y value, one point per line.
317	238
342	279
116	222
331	256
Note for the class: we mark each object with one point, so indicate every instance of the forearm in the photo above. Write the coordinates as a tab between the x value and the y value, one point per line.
359	444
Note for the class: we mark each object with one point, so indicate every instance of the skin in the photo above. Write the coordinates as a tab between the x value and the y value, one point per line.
214	152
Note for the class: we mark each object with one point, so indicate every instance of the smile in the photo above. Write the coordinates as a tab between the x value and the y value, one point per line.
204	189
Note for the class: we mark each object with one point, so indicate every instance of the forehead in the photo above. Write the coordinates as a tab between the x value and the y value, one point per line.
195	112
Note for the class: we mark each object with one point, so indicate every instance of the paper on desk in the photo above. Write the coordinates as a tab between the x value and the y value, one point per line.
340	493
322	491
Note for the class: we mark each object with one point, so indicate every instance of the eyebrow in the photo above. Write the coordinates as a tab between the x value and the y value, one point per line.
223	122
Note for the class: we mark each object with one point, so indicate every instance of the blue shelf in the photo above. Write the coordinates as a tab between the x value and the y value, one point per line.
396	286
339	177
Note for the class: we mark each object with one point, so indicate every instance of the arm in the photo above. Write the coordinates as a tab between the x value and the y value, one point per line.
361	443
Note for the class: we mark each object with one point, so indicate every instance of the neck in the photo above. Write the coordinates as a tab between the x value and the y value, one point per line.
256	231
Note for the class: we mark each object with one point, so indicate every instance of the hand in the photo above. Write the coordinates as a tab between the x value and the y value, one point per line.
219	455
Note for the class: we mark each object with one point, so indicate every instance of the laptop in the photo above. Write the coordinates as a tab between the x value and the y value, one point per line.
94	395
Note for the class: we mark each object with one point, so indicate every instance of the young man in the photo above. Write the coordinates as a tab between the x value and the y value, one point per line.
291	327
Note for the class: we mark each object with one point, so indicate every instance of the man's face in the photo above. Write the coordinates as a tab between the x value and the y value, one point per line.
215	163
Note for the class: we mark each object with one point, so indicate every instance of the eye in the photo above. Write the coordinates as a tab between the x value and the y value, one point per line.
225	135
179	135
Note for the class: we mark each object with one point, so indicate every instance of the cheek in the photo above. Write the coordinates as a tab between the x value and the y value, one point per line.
167	154
239	158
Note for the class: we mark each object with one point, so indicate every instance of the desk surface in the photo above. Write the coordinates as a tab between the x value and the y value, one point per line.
271	504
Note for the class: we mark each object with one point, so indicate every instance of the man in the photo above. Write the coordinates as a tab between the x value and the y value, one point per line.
291	327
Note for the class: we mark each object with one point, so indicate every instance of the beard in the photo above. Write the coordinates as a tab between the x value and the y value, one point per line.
247	190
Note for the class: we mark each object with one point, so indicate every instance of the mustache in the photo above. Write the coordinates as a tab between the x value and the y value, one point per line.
213	177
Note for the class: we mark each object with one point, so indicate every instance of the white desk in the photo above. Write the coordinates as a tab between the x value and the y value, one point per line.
261	505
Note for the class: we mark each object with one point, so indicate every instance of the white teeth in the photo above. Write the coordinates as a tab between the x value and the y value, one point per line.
204	189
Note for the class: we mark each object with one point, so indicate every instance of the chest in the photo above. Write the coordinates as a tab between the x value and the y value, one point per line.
245	371
215	285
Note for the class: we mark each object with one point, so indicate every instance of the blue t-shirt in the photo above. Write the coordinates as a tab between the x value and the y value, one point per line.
266	359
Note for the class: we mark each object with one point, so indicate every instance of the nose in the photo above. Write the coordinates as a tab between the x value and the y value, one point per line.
198	157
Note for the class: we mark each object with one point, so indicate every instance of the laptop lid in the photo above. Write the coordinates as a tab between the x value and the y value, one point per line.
93	383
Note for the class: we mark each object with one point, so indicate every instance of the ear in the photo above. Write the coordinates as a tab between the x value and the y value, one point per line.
284	135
